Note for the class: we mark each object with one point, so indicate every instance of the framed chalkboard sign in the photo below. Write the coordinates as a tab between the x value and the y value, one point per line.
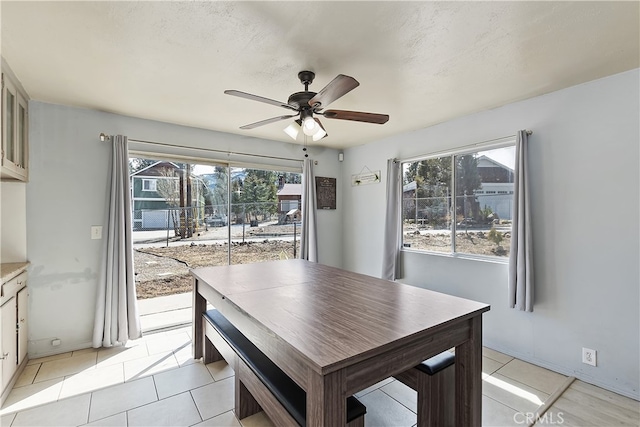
325	193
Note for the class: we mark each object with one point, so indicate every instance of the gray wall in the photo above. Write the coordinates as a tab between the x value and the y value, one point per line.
585	173
66	195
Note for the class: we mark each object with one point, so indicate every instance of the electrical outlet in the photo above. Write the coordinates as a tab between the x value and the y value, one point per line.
96	232
588	356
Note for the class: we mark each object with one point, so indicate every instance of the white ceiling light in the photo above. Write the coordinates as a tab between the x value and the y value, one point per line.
293	130
309	126
319	134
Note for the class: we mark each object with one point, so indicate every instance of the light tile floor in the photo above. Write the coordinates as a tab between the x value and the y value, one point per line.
155	382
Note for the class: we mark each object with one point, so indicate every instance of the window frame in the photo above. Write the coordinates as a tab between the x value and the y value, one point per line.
153	181
505	142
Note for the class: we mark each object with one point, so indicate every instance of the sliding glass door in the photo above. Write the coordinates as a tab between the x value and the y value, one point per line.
189	215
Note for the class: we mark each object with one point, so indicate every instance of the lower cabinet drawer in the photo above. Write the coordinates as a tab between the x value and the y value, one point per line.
11	287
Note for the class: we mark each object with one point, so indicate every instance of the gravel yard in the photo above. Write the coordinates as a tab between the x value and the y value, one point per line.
473	242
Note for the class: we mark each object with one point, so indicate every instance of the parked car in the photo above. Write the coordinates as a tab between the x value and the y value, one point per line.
217	221
475	224
467	222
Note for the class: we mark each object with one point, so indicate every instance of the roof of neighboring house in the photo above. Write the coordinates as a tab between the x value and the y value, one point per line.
484	161
409	187
290	190
158	164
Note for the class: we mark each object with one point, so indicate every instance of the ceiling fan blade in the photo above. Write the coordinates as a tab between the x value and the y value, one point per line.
266	122
356	116
260	99
335	89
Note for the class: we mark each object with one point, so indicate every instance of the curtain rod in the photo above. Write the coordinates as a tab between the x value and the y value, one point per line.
458	149
105	137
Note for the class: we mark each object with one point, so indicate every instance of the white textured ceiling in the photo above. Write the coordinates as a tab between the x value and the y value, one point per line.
420	62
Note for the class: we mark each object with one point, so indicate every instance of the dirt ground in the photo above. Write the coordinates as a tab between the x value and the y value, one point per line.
473	242
165	271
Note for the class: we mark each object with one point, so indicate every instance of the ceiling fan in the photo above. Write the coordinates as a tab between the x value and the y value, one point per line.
308	103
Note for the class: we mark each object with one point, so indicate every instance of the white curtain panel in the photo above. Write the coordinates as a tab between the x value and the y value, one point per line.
393	226
308	236
117	319
521	254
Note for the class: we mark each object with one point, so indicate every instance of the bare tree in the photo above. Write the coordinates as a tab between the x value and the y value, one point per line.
169	189
136	164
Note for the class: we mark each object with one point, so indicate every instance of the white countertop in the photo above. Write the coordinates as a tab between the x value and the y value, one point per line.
9	270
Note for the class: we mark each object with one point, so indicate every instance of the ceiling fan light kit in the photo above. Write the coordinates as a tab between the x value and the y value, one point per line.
293	130
308	103
309	126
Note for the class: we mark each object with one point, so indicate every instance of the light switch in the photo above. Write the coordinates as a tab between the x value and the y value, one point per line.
96	232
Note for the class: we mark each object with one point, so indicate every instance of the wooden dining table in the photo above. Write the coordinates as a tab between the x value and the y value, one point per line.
335	332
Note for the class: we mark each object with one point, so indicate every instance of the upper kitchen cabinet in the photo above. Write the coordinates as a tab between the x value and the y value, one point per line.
15	128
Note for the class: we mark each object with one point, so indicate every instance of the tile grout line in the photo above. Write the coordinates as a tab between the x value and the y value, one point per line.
396	400
37	372
196	405
60	391
501	404
155	387
495	360
130	409
89	411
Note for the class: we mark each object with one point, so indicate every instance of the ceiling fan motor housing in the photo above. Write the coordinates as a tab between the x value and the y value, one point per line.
300	100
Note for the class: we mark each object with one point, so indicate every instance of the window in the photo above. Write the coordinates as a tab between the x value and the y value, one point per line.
461	202
149	185
288	205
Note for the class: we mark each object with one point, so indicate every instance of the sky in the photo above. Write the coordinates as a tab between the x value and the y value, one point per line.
206	169
203	169
506	155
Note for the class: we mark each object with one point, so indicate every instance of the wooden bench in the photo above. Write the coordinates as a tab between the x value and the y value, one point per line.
434	380
259	383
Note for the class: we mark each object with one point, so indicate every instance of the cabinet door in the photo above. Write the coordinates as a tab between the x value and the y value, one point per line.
15	142
9	101
22	134
23	332
8	351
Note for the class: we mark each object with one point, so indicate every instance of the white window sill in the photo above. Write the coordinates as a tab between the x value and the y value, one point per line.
484	258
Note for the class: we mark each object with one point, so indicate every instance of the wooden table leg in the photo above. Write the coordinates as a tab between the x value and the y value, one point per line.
245	404
199	307
326	400
469	377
